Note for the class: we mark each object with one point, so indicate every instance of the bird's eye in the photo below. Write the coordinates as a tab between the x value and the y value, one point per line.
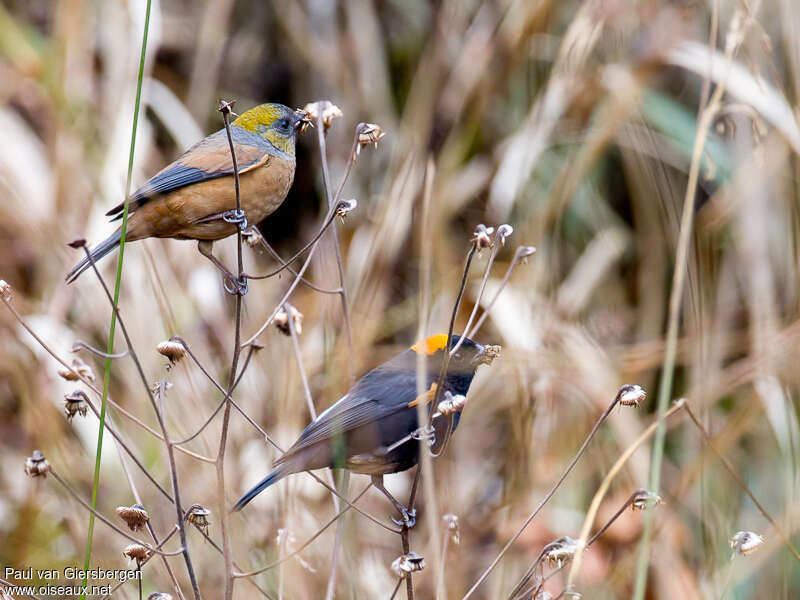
284	123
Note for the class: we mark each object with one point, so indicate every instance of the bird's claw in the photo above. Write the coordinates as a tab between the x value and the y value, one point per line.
236	217
409	518
236	287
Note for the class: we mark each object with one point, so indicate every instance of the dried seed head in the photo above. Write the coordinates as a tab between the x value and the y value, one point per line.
558	553
136	552
172	349
482	236
368	133
490	352
159	596
5	290
523	252
451	404
79	369
631	395
75	403
197	515
36	465
322	108
134	516
745	542
287	312
226	107
408	563
503	231
453	529
345	207
644	499
252	237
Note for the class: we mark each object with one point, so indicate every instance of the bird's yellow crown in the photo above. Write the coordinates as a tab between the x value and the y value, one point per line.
431	345
266	121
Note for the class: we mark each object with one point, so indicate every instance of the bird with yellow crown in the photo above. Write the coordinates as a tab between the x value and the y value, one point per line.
194	197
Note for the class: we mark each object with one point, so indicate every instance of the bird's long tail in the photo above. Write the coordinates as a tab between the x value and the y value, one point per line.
279	473
98	252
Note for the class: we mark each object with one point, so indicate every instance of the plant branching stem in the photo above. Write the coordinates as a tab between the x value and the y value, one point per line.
547	496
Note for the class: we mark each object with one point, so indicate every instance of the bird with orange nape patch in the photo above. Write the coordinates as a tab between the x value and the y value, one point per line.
194	197
372	428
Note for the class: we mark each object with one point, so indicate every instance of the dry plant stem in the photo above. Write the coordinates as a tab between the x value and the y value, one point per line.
615	516
423	420
404	534
439	382
313	413
489	263
225	109
396	589
160	417
606	483
673	323
286	265
514	262
312	475
547	496
143	563
348	167
308	542
102	518
265	244
79	345
148	524
326	180
741	482
450	328
128	451
214	382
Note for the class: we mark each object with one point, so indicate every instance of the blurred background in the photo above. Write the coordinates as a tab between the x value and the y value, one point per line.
572	121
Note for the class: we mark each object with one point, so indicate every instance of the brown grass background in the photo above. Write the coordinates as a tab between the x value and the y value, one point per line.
571	121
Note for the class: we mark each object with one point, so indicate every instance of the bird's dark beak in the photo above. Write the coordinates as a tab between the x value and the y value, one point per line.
302	121
486	354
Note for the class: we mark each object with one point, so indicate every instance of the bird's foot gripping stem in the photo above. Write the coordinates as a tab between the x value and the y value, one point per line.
236	217
235	286
409	517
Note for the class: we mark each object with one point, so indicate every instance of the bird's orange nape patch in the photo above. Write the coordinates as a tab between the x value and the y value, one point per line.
432	344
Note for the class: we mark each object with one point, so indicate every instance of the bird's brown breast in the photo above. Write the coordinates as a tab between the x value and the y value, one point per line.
180	213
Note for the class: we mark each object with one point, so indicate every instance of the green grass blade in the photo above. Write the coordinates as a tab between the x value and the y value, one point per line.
112	329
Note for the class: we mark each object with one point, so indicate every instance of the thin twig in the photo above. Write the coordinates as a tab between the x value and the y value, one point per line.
161	423
548	495
225	109
308	542
79	345
104	519
520	253
499	238
326	180
707	116
606	483
741	482
266	245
